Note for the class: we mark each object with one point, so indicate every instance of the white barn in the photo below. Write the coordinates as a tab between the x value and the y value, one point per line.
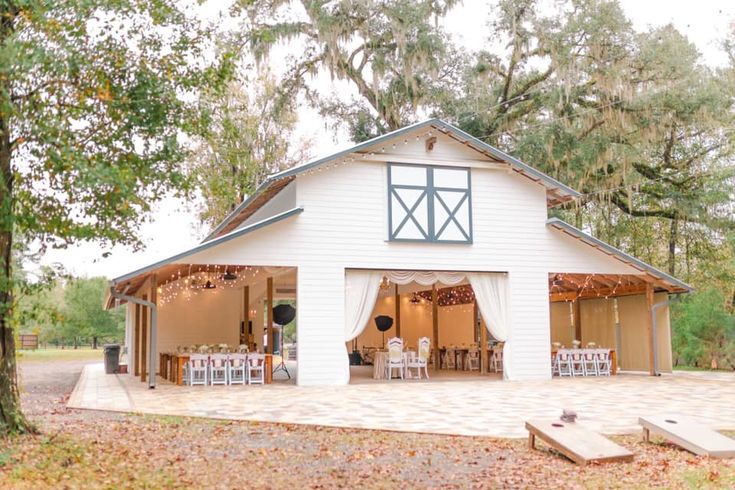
422	224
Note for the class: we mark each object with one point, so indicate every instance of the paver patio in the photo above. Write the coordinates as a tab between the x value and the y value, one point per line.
466	406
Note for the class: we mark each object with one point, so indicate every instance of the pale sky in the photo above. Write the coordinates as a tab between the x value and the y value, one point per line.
174	227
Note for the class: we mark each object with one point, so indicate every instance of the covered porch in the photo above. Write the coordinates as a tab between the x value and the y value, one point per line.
178	311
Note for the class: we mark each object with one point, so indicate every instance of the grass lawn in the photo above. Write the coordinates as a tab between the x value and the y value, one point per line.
53	354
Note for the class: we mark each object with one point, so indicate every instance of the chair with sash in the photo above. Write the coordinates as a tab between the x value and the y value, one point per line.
395	357
256	368
218	368
197	369
236	369
421	360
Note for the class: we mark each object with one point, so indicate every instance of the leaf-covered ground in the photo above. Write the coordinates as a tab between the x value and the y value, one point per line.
87	449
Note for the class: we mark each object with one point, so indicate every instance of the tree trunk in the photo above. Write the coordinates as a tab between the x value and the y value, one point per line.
94	343
673	237
11	417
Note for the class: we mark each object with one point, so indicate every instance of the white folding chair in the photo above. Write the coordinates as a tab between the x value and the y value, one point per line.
198	367
421	360
218	367
496	360
472	363
256	369
395	357
602	357
450	359
589	362
564	363
577	362
236	369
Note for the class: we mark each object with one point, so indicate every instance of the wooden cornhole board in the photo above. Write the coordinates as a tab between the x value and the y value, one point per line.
689	434
577	443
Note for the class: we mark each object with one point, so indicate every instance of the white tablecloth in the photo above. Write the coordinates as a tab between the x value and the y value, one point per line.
380	364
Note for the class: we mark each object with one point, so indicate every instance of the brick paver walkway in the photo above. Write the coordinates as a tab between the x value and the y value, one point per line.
466	406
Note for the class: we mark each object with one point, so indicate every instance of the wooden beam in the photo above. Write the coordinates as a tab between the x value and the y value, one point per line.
153	329
269	326
136	343
398	312
598	293
649	324
577	320
143	340
246	315
435	323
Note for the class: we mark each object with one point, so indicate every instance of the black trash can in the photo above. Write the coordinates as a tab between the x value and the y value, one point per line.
112	358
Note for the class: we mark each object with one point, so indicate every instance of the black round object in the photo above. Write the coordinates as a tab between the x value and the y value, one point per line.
283	314
383	322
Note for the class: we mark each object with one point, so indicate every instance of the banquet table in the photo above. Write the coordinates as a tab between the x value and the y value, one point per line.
172	367
380	364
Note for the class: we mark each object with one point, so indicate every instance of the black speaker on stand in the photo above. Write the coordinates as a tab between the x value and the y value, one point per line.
283	315
383	323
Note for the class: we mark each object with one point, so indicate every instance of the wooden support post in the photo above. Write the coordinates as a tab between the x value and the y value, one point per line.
483	340
398	313
649	324
435	324
153	331
244	339
143	339
269	305
136	342
577	321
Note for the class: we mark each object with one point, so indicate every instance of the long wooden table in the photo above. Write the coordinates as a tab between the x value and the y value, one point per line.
171	367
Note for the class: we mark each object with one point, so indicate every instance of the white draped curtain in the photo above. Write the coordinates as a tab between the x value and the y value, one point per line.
361	292
425	278
493	300
491	291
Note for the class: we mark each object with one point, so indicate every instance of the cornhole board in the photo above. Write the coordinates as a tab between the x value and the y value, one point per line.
577	443
688	434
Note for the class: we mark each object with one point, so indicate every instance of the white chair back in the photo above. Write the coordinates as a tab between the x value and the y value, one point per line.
395	349
237	360
424	349
198	360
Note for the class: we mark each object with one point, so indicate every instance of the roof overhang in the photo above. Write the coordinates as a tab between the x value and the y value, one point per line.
556	192
661	280
131	282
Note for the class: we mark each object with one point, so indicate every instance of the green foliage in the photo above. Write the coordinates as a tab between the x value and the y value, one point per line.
96	100
703	331
93	99
392	53
249	136
83	314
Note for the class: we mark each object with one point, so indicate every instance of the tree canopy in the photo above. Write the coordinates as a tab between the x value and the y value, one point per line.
96	98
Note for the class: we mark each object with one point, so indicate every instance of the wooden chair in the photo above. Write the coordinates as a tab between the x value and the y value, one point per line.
218	367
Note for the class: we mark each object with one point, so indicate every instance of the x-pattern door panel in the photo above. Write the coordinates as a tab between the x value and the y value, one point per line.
430	204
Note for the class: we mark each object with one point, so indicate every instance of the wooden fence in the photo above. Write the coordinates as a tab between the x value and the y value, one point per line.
28	341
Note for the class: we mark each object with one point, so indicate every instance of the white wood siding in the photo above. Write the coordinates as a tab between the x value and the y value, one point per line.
344	226
281	202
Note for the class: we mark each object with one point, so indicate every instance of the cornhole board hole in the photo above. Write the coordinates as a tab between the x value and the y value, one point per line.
688	434
577	443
